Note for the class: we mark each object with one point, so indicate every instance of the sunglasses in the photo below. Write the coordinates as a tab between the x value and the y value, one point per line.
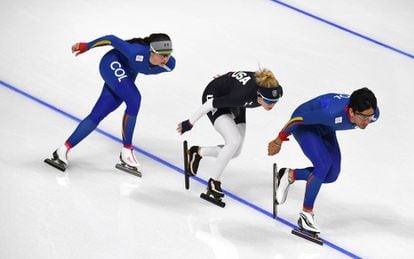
365	117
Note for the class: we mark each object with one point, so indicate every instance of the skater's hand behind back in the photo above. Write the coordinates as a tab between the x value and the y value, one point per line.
274	147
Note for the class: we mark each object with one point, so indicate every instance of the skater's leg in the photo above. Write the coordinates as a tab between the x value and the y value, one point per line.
314	147
286	177
126	90
326	168
313	185
132	97
242	130
129	93
301	173
227	128
331	143
106	103
306	217
196	153
128	125
213	151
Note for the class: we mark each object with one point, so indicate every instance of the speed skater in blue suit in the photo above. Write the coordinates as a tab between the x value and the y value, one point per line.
119	68
314	124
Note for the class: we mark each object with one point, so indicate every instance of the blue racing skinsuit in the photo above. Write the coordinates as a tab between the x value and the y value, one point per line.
314	125
119	68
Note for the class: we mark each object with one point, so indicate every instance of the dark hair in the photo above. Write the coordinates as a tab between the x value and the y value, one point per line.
362	99
147	40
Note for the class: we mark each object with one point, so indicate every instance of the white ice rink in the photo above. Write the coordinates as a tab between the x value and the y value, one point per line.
95	211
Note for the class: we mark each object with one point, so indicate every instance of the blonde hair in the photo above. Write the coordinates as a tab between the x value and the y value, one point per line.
265	78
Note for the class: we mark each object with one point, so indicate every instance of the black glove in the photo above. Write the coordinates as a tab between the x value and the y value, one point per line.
186	126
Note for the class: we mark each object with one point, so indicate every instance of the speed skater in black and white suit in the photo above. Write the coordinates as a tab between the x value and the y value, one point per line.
225	100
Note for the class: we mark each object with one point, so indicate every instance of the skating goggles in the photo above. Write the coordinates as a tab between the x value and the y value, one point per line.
267	100
270	95
365	117
162	47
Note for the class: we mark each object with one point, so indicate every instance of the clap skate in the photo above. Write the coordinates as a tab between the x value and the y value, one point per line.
186	173
282	186
191	162
275	185
59	158
307	228
128	162
214	193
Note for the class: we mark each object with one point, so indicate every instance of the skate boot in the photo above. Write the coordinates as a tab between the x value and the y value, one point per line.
308	229
214	193
283	185
128	163
59	158
307	222
194	160
214	188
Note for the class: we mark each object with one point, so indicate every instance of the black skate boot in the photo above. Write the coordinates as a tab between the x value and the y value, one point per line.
59	159
214	193
193	160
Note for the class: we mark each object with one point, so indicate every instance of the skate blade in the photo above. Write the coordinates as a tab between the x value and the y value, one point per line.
308	236
186	171
275	184
128	170
57	165
212	200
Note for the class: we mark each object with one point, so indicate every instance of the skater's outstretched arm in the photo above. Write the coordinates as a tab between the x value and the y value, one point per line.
117	43
200	112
